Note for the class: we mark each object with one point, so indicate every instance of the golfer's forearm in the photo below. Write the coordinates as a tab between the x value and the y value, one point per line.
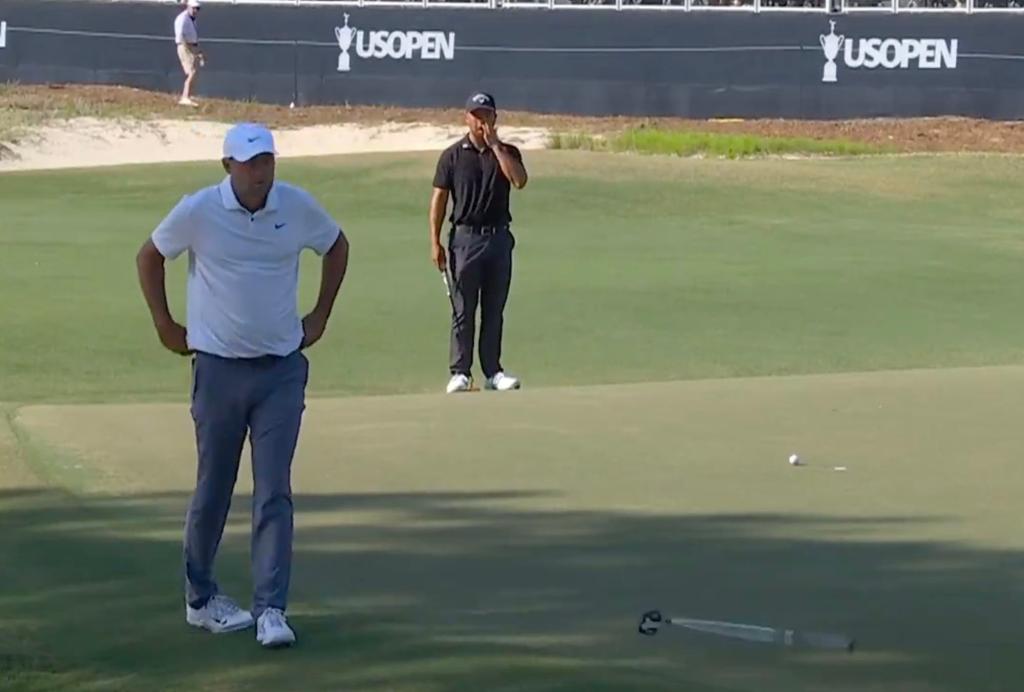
335	264
513	169
151	279
436	221
438	206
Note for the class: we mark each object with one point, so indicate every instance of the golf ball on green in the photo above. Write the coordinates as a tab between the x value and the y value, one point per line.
794	459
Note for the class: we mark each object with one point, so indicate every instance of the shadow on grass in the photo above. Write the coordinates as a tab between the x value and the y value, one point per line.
452	591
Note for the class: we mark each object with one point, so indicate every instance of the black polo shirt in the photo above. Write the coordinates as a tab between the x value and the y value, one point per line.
478	187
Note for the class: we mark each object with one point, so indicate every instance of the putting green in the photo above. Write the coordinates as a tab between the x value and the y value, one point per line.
626	447
511	541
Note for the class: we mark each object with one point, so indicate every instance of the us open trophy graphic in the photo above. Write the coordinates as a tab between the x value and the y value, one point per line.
345	34
831	43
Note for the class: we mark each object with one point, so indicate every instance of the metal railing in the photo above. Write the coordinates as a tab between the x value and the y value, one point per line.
756	6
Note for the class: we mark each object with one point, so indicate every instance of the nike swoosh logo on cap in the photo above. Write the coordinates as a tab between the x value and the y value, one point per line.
252	139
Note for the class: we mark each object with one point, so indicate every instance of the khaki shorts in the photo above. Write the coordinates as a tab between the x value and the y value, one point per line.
189	59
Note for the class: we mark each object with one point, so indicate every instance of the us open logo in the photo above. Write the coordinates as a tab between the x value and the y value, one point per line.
392	45
887	53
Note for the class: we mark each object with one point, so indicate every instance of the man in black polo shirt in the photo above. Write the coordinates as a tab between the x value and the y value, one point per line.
477	172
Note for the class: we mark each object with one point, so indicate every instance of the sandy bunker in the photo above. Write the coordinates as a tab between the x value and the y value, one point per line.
92	142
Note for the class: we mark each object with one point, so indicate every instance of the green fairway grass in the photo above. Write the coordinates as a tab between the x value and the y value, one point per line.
682	327
626	270
644	140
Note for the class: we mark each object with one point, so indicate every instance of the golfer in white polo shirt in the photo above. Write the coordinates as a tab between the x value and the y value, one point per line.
243	238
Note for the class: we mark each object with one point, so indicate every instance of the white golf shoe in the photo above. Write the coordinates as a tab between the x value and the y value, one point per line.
502	382
219	615
459	383
272	629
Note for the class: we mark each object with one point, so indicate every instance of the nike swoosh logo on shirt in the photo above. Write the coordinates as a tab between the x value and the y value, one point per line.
279	226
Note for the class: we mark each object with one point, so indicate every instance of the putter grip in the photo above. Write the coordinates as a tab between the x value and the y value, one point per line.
823	640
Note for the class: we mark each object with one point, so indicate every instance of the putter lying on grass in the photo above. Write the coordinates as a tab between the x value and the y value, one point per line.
652	620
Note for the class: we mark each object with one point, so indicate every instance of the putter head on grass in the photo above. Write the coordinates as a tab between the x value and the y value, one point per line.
650	622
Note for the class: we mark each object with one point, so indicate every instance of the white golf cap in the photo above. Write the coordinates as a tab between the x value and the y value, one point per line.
192	3
246	140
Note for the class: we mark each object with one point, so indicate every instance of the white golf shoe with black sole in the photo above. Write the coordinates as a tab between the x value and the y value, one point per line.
219	615
502	383
459	383
272	629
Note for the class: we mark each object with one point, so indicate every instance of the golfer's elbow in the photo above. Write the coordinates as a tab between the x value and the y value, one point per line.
438	203
339	251
519	176
148	257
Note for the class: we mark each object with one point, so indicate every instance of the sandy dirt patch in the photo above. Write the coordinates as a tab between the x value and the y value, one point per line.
90	142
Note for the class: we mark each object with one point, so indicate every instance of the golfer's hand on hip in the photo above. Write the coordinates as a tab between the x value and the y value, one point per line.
438	257
174	337
313	327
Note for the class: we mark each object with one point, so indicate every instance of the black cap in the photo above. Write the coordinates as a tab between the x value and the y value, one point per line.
480	101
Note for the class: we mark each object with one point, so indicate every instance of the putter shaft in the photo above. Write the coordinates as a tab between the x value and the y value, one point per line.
652	620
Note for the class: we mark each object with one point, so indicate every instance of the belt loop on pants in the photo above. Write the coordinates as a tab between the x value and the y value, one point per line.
481	230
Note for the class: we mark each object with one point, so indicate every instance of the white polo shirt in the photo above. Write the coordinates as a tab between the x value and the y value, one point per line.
185	29
243	269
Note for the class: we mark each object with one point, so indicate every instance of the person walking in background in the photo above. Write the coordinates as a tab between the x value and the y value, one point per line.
186	37
477	172
244	237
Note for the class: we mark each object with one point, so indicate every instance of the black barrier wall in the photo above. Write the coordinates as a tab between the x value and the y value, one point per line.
695	64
